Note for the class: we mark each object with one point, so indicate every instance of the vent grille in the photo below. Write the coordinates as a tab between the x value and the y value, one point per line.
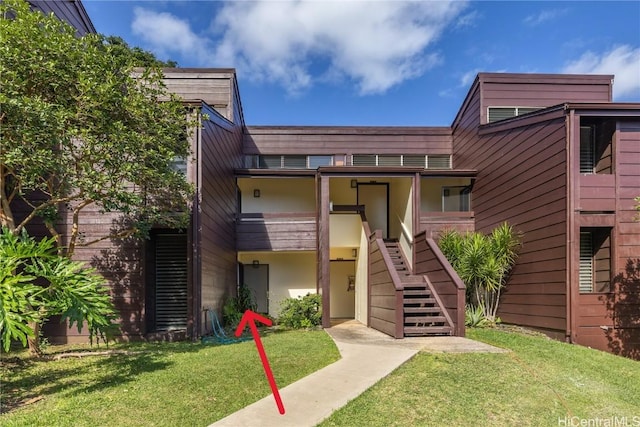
439	162
495	114
586	262
171	281
587	149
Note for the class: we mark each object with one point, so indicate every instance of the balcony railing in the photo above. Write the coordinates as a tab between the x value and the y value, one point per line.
432	223
287	231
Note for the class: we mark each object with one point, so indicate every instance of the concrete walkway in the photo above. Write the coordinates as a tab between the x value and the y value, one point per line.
367	357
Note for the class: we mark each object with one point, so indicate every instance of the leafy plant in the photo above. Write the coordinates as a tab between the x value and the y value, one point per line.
301	312
37	283
483	262
474	317
235	306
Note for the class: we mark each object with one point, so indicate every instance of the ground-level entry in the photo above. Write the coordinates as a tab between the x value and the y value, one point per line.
343	290
256	278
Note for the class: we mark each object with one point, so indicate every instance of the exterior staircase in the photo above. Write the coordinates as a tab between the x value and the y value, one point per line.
423	316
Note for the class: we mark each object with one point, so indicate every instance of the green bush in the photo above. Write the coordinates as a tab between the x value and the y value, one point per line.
235	307
301	312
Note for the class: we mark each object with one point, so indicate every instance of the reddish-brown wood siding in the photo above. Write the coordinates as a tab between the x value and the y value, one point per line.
624	305
522	180
221	143
277	232
382	299
434	223
537	90
70	11
346	140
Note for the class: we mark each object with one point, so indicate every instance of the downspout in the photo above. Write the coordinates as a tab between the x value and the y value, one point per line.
196	227
569	123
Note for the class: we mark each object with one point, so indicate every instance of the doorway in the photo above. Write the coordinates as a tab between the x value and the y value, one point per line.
375	198
256	278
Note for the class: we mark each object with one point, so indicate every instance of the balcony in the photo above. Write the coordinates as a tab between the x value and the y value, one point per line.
432	223
597	193
287	231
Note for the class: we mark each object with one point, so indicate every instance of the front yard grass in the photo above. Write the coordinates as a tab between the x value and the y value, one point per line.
168	384
538	383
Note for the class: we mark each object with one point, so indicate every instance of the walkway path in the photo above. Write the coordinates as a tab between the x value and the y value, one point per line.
367	357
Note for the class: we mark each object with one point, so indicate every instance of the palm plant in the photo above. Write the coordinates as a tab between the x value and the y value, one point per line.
483	263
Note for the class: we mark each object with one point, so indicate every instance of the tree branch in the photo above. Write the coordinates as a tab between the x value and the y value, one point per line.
75	226
121	235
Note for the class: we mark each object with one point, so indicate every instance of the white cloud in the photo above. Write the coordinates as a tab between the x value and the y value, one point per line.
295	43
622	61
543	16
167	34
468	20
467	78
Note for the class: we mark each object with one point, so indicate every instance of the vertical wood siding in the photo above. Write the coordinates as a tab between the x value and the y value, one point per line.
522	180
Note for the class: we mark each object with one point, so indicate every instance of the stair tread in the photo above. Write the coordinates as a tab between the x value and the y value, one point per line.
418	300
426	330
425	319
421	310
417	292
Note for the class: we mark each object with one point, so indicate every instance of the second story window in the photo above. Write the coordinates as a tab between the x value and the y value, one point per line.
436	161
495	114
288	161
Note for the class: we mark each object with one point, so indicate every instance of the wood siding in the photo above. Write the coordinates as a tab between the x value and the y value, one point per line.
346	140
215	87
539	90
430	261
434	223
221	144
277	232
597	193
522	180
69	11
384	305
611	321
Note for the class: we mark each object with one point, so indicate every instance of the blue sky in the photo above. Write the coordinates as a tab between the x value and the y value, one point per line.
381	62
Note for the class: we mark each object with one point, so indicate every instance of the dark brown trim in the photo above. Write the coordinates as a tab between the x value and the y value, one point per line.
324	274
251	173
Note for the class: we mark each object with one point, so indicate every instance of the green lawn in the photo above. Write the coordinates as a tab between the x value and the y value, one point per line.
540	381
169	384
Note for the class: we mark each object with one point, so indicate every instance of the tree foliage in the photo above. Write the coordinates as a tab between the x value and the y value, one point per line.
483	263
79	129
37	283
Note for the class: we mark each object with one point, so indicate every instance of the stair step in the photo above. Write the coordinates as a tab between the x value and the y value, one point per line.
421	310
427	330
416	292
416	279
425	319
418	301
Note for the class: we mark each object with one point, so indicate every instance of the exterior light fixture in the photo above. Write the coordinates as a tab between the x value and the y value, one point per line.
354	253
256	193
354	183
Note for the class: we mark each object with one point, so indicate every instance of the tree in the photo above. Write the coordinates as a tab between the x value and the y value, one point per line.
78	129
483	263
37	283
138	57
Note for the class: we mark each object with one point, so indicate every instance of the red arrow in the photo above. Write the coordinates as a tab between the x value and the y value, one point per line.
250	317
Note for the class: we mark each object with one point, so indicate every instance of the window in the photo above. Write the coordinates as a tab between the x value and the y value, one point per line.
596	145
439	162
456	199
595	260
436	161
287	161
316	161
495	114
179	164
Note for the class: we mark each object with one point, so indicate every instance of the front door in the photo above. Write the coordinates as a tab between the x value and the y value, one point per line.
375	198
256	278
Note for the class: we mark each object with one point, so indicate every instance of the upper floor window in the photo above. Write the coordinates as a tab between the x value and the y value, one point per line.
596	146
288	161
456	198
495	114
437	161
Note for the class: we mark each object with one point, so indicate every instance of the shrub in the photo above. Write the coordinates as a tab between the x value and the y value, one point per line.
235	307
483	262
301	312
